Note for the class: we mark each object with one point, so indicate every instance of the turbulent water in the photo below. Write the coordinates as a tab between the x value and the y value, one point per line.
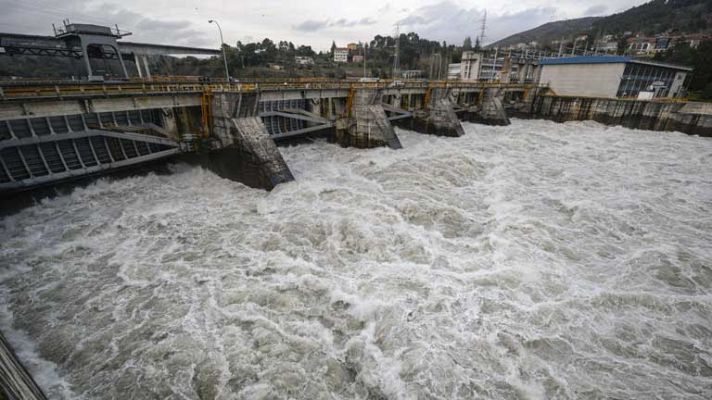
533	261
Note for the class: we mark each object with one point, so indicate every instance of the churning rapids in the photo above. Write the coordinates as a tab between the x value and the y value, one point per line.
533	261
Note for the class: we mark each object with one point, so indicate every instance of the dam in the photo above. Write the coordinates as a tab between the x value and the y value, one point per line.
464	254
51	133
64	131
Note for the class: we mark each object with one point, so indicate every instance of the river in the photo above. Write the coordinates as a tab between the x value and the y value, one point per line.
533	261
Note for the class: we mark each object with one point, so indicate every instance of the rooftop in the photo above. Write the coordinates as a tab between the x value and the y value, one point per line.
585	60
607	60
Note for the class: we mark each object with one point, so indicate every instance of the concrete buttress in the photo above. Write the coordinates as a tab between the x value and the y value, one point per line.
492	111
368	126
440	119
245	140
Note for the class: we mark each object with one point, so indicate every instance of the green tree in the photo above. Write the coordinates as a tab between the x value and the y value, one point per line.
467	44
700	59
707	92
622	45
702	75
305	51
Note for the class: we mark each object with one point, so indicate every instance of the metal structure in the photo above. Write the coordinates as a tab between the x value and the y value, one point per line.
91	42
34	151
289	118
396	112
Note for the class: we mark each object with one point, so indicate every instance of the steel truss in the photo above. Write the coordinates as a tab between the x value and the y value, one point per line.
37	160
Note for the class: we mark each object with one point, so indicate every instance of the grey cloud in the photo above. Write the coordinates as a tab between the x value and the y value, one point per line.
165	21
179	32
313	25
448	21
384	8
595	10
348	23
152	25
413	20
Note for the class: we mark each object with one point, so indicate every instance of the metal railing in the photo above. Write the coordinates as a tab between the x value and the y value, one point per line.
623	98
179	85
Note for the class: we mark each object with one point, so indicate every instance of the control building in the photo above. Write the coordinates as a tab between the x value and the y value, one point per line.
613	76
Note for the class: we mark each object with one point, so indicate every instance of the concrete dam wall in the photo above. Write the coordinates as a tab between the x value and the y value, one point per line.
691	118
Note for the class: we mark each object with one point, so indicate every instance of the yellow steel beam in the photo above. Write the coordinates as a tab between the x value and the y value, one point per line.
188	85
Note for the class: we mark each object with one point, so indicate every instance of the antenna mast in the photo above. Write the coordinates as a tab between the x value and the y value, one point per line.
395	57
482	32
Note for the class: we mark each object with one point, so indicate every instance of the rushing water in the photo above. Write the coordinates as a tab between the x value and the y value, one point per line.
538	260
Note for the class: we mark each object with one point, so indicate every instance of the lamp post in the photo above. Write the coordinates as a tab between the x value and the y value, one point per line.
222	44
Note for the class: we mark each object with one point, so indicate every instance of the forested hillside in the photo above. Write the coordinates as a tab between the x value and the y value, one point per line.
657	16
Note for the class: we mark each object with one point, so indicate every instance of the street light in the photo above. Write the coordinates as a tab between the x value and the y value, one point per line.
222	44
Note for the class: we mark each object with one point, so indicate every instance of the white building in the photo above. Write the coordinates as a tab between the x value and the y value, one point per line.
470	66
497	65
303	60
341	55
611	76
491	66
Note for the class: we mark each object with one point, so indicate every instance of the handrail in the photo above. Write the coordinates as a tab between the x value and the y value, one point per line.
626	98
147	87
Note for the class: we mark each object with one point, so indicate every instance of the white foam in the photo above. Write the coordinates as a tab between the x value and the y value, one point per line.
537	260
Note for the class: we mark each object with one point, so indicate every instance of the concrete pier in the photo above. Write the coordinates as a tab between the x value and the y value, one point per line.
252	148
244	139
440	119
491	111
368	125
437	115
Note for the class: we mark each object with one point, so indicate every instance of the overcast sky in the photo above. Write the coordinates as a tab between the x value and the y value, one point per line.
312	22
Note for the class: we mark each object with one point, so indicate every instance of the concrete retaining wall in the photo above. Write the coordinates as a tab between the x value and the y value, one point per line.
690	118
368	127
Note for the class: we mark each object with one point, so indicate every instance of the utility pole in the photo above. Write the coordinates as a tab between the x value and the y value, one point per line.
395	56
364	59
482	44
435	66
222	44
432	69
494	64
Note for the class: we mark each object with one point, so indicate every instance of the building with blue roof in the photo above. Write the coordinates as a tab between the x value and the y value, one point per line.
613	76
